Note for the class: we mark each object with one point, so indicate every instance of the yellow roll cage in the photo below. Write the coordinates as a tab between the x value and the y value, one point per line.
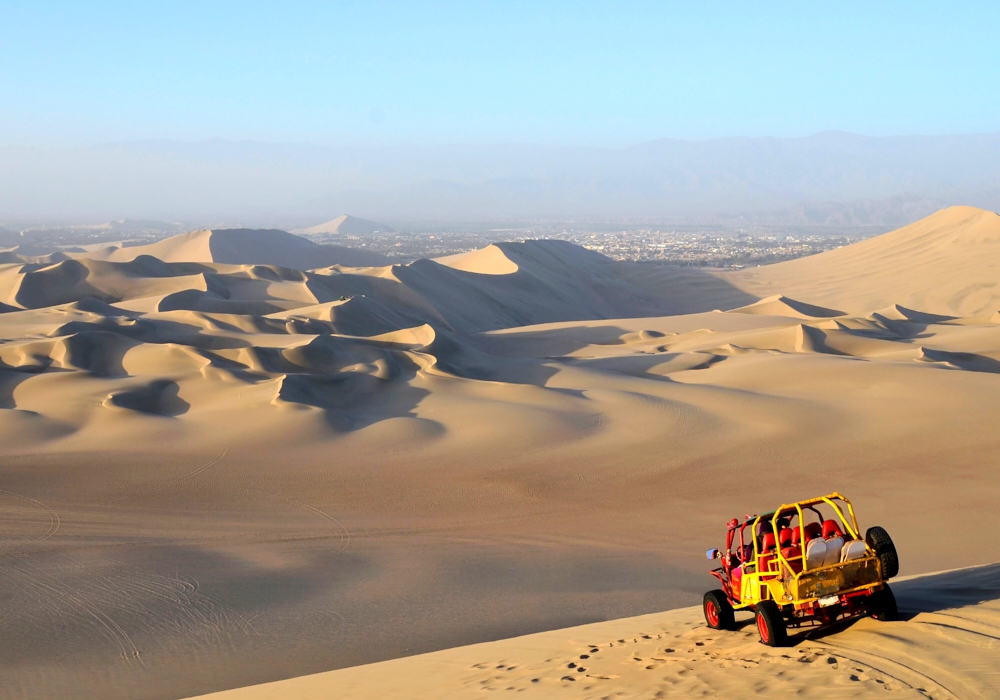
829	499
780	582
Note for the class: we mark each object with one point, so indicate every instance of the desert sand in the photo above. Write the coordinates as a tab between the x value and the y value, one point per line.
219	471
945	647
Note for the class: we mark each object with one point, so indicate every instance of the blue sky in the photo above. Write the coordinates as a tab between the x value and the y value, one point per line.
602	74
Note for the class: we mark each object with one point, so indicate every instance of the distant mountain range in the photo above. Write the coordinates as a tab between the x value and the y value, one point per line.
893	211
827	178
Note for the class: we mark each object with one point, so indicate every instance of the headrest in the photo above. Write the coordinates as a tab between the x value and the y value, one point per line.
768	543
831	529
796	535
813	530
785	537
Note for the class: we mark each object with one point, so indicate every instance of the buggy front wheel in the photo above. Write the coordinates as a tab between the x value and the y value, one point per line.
770	624
719	613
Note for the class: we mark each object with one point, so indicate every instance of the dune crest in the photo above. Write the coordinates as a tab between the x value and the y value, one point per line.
346	224
244	247
779	305
485	261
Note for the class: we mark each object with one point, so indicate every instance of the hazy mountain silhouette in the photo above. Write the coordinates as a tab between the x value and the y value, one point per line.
298	185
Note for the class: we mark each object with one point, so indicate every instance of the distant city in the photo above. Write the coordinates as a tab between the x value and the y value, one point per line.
700	246
691	246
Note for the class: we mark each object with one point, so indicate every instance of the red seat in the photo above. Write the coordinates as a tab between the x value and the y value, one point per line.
813	530
794	557
766	553
790	552
831	529
790	548
768	545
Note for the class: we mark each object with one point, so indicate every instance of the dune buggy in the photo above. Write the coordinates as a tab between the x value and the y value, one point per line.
802	565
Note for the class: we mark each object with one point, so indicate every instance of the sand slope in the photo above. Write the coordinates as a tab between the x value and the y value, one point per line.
945	647
346	224
946	263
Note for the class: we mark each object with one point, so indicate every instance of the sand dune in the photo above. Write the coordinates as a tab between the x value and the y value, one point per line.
219	474
490	260
944	264
229	246
356	315
184	272
246	247
345	224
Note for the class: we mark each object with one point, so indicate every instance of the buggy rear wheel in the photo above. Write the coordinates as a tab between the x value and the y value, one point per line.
879	540
719	613
770	624
884	605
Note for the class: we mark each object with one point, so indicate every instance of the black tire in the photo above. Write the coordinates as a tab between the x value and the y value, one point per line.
884	605
879	540
718	611
770	624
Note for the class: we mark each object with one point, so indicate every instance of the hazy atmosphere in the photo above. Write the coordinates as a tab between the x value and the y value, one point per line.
248	183
376	350
245	114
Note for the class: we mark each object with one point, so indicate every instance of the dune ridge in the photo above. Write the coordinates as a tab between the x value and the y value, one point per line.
188	276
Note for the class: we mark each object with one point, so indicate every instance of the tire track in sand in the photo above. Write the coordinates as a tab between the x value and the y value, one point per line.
345	534
54	520
200	469
106	625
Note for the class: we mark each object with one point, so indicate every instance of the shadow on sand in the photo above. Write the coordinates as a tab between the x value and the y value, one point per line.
947	590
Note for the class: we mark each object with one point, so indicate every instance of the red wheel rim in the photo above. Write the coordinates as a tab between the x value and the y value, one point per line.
712	613
762	628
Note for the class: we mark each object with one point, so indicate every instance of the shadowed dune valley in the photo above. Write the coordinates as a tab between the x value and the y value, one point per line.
240	464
